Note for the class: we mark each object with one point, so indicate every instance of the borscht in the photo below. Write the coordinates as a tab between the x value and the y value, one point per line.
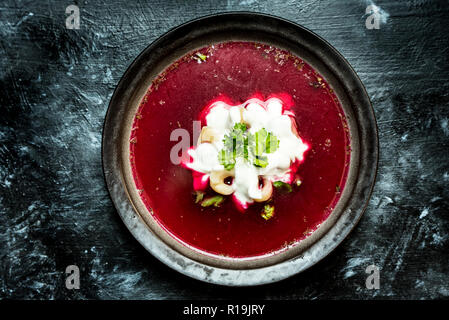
239	149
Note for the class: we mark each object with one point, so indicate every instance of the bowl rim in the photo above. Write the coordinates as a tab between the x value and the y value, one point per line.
242	274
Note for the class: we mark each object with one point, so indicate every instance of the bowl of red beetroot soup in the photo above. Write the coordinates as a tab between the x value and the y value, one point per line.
240	148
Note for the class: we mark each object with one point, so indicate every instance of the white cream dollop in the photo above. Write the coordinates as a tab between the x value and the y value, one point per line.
256	114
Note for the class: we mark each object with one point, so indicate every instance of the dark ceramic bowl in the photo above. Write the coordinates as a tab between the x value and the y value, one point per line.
263	29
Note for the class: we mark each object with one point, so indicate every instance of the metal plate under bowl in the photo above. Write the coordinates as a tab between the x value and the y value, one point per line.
241	26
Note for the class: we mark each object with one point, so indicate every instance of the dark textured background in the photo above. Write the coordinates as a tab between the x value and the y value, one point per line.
55	86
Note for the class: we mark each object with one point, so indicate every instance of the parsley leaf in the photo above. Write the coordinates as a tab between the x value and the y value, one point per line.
272	143
283	186
268	212
199	195
260	161
226	159
201	56
263	142
240	126
260	141
239	143
234	142
216	201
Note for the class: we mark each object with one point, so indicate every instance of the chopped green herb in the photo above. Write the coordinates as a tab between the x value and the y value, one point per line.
268	212
298	182
239	143
264	142
240	126
283	186
260	161
260	141
226	159
199	195
201	56
234	142
272	143
216	201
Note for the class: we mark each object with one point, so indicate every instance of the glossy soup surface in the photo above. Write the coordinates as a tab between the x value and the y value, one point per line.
238	71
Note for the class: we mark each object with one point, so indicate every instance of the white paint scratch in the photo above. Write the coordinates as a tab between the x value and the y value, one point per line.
424	213
351	265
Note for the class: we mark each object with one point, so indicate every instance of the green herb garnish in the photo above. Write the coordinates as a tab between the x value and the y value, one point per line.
240	127
239	143
264	142
283	186
199	195
260	161
216	201
201	56
268	212
226	159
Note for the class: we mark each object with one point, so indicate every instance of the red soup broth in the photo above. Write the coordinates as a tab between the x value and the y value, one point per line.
238	71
